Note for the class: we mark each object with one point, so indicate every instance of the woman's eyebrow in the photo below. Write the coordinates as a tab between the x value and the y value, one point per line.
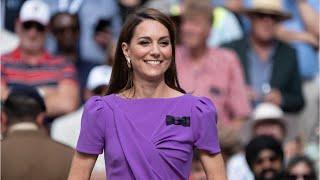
149	38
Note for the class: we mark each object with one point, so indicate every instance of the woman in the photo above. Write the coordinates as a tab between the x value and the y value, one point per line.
146	125
301	168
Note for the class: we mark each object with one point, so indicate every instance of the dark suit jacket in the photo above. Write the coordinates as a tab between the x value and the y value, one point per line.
31	154
285	73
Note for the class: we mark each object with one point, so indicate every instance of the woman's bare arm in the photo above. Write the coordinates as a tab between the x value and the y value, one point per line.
213	166
82	165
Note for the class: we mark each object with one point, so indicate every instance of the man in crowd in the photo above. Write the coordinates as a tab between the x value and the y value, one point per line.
270	66
27	152
30	64
211	72
65	27
265	157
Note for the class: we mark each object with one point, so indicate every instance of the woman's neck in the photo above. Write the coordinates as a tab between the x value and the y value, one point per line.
148	89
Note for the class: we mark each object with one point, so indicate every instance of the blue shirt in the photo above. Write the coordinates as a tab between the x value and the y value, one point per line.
306	54
260	73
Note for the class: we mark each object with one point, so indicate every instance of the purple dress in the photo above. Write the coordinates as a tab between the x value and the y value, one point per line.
149	138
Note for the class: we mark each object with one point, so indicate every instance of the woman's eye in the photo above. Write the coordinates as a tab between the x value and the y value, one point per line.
164	43
144	43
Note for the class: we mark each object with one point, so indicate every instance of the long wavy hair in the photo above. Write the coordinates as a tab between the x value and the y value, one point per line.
122	75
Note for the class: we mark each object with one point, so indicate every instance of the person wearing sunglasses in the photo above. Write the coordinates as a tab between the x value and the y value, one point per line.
265	158
301	168
31	64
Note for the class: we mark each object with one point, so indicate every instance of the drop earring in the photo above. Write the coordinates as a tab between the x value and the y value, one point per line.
128	62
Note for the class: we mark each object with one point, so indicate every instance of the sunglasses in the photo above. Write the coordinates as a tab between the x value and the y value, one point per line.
272	159
304	176
31	24
271	16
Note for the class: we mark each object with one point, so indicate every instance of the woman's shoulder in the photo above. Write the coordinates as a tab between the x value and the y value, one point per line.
97	103
201	105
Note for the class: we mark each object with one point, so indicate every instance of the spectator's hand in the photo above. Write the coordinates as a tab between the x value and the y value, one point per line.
252	95
274	97
292	148
309	38
4	90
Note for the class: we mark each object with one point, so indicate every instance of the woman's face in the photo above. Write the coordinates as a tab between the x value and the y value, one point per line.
300	171
150	50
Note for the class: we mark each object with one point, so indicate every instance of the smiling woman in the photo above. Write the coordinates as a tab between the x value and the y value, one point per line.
149	52
147	38
146	125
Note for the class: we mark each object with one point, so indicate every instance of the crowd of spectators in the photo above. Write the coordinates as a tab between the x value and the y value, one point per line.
257	60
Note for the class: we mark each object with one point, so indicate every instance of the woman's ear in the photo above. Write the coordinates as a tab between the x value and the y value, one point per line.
125	49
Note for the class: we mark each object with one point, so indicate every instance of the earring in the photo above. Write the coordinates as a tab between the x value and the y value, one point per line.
128	62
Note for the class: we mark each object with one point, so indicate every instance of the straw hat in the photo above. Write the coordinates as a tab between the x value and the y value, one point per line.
272	7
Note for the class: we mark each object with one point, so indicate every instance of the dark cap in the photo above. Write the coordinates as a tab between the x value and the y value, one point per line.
260	143
27	91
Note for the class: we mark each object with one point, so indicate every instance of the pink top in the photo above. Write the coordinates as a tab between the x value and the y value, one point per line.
218	76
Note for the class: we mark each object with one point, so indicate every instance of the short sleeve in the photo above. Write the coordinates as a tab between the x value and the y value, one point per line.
204	126
92	133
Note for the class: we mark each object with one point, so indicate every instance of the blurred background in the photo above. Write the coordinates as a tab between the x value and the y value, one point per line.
258	61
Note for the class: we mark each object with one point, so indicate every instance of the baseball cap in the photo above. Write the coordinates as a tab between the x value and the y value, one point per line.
35	10
267	112
98	76
26	91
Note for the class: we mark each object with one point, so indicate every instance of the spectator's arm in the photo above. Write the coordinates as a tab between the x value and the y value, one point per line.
292	98
309	16
4	90
213	166
81	167
290	36
61	100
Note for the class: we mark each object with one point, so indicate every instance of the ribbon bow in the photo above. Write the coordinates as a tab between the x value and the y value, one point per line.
184	121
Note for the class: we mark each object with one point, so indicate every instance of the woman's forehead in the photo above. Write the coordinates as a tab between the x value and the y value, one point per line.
150	28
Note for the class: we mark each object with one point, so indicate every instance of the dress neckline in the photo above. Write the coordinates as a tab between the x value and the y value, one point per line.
148	99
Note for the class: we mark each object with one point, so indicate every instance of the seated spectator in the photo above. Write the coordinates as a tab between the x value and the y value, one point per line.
27	152
270	66
30	64
211	72
302	32
268	119
265	158
301	168
65	28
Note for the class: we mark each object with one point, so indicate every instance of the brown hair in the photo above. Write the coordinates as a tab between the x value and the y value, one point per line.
201	8
122	75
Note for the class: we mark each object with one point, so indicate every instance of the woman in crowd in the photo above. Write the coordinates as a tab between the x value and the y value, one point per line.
301	168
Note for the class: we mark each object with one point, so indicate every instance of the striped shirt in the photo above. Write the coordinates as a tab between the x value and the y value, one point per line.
46	71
